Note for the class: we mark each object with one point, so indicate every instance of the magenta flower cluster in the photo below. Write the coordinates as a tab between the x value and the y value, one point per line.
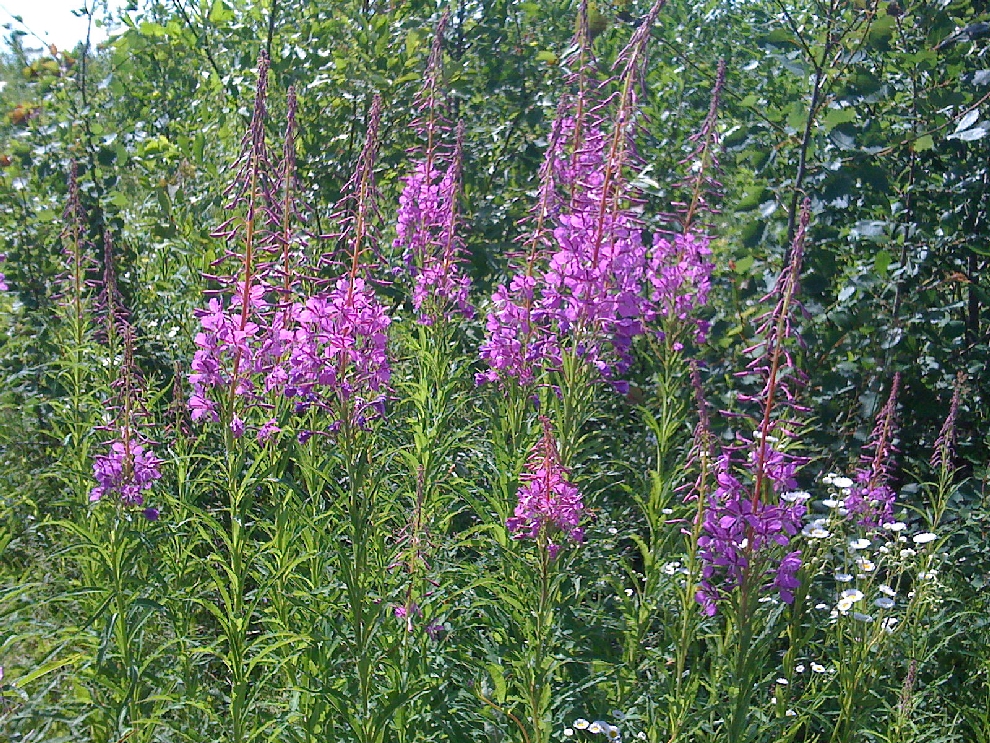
737	531
426	222
320	347
593	290
520	339
427	232
324	350
127	471
549	504
590	285
679	275
339	343
225	354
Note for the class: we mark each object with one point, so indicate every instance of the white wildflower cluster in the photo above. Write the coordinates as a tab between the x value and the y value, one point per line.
860	561
598	727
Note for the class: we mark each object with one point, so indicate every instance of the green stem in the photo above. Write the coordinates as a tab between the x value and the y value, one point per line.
742	680
236	628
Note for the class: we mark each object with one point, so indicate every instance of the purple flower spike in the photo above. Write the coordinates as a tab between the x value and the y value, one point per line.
588	285
427	219
548	501
870	501
679	274
339	347
945	443
736	533
130	468
745	525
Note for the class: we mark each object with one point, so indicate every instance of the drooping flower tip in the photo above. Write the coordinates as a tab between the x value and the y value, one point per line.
786	580
943	450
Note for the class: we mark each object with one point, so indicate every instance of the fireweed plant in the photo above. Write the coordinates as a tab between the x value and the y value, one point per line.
357	520
108	469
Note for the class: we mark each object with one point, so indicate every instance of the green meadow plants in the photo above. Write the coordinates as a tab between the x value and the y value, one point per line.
390	478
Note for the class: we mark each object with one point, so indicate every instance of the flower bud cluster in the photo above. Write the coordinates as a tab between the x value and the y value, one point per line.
870	501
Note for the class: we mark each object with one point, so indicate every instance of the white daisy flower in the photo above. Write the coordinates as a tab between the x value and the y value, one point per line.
568	732
596	727
817	667
842	483
816	529
884	603
798	496
895	526
859	544
581	724
924	538
843	577
865	565
862	617
886	590
848	598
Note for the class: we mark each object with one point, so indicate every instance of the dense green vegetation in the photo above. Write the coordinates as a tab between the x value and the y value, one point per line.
355	569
